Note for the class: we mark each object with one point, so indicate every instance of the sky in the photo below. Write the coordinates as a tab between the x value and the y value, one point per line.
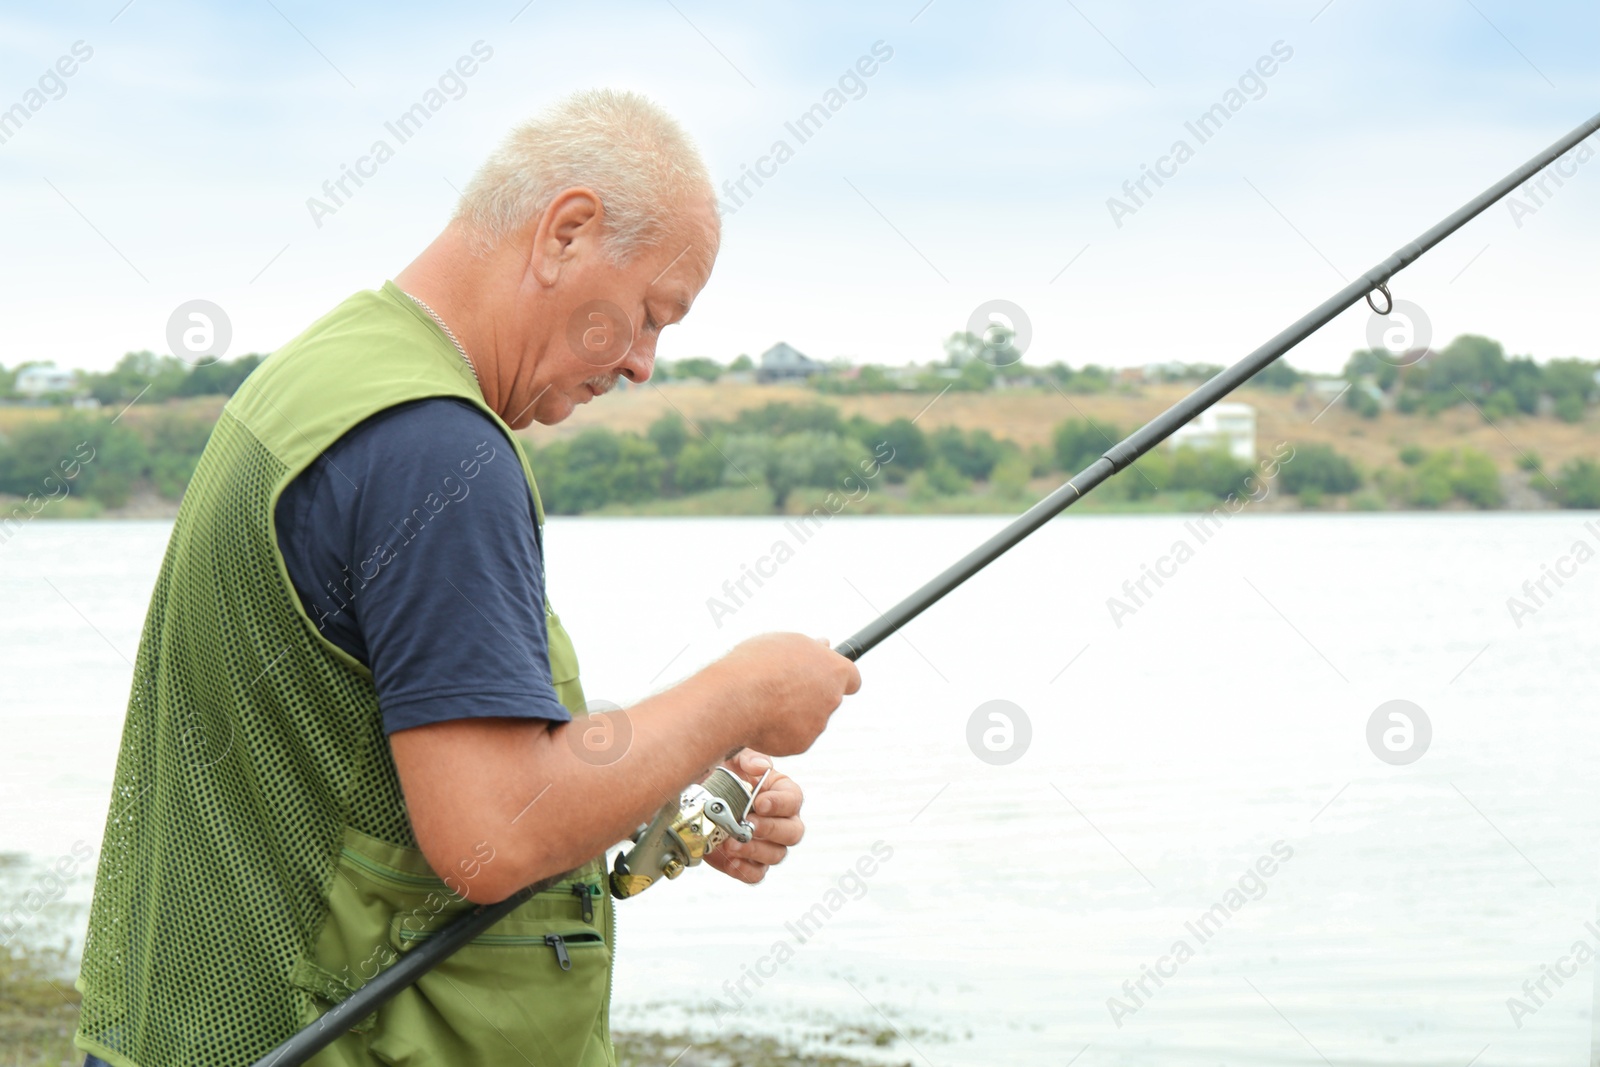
977	162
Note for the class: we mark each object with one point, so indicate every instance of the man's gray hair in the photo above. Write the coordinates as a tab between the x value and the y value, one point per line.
632	154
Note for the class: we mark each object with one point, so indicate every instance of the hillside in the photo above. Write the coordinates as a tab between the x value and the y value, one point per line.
1028	416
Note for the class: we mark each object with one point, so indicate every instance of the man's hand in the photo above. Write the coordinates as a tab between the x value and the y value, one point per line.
802	676
524	788
776	819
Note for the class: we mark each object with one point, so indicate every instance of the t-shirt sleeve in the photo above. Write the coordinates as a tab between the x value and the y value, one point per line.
413	545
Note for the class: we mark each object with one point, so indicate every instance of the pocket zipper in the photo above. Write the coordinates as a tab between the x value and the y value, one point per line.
389	874
586	892
559	942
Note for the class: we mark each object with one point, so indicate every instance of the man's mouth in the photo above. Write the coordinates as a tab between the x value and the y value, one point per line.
599	386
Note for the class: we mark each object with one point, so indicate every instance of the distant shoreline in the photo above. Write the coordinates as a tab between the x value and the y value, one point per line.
743	503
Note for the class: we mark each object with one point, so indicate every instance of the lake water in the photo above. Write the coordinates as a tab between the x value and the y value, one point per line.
1223	721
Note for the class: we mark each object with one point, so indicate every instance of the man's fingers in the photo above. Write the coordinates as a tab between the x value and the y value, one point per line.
780	799
785	831
746	871
756	851
854	685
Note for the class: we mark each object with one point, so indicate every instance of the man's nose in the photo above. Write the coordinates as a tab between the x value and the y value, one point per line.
639	363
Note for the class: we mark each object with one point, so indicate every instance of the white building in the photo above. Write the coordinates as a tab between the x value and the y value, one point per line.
43	379
1230	424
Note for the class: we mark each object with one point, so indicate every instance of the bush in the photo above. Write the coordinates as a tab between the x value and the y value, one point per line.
1213	471
699	467
155	378
595	468
707	370
1476	480
1569	407
972	455
1578	484
1010	476
1079	442
174	442
1277	375
910	447
668	434
937	479
1319	468
94	458
808	458
1443	476
1361	402
778	419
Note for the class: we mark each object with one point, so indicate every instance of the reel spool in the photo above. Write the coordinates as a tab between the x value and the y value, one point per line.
685	831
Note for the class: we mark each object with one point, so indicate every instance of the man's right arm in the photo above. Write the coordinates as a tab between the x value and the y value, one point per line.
522	791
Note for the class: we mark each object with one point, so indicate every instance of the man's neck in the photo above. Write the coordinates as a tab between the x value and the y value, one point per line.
455	283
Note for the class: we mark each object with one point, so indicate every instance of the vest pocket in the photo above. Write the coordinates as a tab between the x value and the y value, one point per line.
530	990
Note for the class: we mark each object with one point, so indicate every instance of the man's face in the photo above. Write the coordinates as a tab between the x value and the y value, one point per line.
608	318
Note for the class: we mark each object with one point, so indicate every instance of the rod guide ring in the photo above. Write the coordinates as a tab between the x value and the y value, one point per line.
1383	287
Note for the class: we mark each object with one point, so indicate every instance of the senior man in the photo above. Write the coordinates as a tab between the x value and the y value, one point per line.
352	714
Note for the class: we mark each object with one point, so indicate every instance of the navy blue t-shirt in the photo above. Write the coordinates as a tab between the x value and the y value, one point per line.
414	546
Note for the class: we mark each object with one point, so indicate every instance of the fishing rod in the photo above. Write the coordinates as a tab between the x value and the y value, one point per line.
706	831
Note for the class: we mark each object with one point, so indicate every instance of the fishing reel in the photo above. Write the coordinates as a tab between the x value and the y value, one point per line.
685	831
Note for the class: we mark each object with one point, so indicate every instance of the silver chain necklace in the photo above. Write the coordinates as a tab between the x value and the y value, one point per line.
448	332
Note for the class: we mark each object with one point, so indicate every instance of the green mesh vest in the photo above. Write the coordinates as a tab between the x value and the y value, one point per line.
258	863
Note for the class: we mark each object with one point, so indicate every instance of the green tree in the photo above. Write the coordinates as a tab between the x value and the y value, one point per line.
1476	480
1578	484
975	377
807	458
1569	407
1571	384
1079	442
221	378
595	468
1278	375
1210	470
778	419
972	455
1447	475
174	441
93	458
138	374
1320	468
699	467
1433	484
1374	363
708	370
909	445
668	434
1361	402
1010	476
937	479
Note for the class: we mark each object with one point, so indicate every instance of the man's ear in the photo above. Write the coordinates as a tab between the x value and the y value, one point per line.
571	222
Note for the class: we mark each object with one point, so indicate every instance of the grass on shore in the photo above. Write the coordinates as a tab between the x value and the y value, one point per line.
894	500
39	1013
38	1009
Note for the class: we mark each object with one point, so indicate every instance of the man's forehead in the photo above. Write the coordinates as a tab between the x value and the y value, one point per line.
686	273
